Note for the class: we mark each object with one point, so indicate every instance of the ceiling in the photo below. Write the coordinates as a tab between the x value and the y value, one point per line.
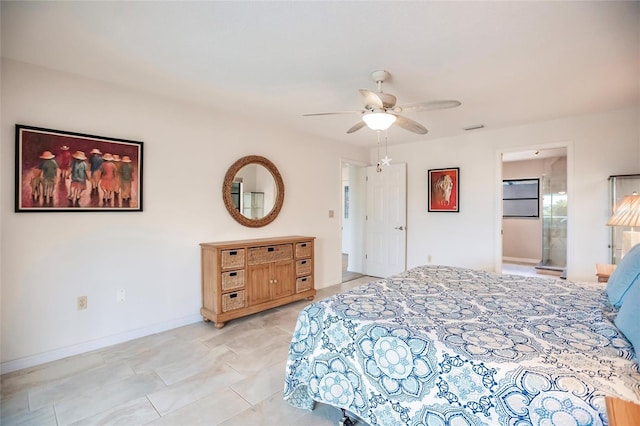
509	63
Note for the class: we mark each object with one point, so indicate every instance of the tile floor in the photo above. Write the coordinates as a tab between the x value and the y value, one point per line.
527	270
191	375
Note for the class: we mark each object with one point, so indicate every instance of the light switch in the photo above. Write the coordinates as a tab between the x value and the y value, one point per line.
330	213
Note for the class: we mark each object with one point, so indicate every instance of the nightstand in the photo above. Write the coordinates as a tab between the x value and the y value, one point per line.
604	271
622	413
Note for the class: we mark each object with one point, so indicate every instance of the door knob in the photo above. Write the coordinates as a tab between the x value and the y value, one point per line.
399	227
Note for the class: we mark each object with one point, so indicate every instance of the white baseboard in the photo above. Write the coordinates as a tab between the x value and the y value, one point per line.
31	361
521	260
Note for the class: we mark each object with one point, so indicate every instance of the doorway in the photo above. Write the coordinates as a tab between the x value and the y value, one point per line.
536	241
373	220
353	209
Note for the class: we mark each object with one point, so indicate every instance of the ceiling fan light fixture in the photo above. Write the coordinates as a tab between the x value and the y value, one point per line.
379	120
380	111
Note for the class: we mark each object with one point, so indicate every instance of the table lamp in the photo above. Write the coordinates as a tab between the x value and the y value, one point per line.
627	213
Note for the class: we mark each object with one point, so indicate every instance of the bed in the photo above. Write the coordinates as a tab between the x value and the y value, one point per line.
441	345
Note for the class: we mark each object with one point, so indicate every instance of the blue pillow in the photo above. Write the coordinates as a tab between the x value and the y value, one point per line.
628	319
625	274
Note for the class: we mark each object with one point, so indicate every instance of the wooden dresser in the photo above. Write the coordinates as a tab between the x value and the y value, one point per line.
244	277
622	413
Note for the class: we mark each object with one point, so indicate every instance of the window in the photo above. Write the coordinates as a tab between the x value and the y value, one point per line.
521	198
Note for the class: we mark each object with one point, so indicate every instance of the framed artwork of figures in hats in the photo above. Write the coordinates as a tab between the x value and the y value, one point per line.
59	171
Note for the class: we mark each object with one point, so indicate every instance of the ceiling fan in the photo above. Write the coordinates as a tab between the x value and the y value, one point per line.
380	109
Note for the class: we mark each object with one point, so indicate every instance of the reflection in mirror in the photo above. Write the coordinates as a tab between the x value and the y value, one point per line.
258	189
253	191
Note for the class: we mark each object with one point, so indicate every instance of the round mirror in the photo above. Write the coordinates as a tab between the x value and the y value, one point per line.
253	191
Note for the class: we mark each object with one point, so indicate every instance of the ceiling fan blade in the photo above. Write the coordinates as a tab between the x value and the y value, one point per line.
333	113
426	106
359	125
372	98
410	125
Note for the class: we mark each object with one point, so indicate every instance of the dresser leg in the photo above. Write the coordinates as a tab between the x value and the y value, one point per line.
310	298
219	325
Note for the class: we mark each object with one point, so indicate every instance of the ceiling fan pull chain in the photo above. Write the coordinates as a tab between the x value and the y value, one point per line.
378	164
386	143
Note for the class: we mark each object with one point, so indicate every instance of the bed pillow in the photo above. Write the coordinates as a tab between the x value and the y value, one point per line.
625	274
627	319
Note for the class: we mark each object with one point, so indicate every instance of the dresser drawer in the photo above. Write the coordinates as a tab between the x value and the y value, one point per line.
232	280
231	301
304	267
232	259
303	249
304	284
269	254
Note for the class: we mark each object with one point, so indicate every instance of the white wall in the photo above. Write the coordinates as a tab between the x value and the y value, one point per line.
49	259
599	145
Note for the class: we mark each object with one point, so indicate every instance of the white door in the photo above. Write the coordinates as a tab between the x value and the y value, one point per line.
386	220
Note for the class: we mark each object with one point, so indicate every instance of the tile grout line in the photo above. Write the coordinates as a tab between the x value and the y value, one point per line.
55	414
154	407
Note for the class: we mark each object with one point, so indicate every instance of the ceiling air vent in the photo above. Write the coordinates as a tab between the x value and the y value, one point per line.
474	127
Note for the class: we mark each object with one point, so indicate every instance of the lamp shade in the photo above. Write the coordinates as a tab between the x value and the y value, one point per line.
379	120
627	213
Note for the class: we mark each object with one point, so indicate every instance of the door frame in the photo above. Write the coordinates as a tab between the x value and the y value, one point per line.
568	145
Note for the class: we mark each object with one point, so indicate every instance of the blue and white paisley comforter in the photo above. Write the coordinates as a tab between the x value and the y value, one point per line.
451	346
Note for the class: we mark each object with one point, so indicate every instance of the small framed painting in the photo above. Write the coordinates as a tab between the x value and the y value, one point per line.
443	189
59	171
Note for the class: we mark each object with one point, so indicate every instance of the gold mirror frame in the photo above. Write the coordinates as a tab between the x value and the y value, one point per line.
228	201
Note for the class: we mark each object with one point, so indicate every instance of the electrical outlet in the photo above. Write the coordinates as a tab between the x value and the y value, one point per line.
429	259
82	302
121	296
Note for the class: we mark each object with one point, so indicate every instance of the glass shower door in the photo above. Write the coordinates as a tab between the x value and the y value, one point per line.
554	223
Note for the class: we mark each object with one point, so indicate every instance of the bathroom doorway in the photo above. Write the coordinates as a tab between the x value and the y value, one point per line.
536	240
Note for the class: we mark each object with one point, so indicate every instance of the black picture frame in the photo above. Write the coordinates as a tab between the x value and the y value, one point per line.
50	166
521	198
